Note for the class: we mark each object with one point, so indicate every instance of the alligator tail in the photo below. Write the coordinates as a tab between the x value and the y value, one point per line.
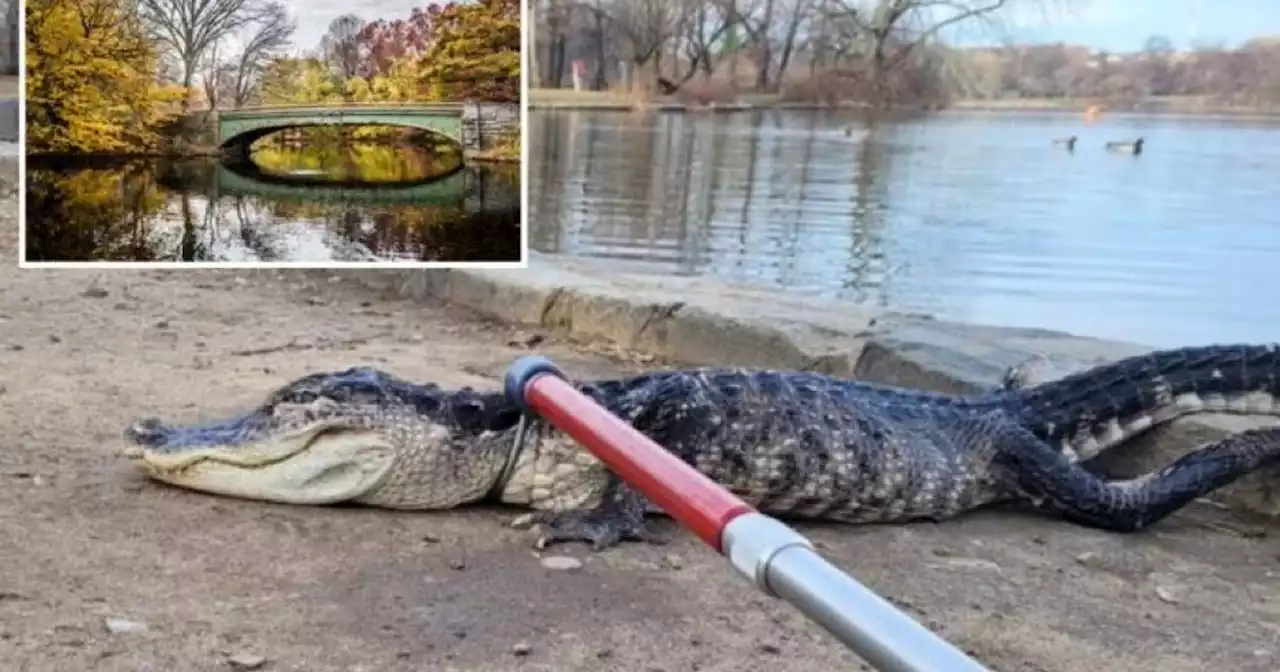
1088	412
1048	481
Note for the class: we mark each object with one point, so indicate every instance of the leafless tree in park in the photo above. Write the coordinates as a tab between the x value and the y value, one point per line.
647	25
705	26
341	45
217	76
13	60
547	60
191	27
892	31
599	22
271	33
885	50
236	74
774	29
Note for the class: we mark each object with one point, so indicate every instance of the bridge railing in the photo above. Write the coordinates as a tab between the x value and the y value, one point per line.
777	559
340	105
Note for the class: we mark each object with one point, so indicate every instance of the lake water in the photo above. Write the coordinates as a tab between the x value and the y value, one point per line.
306	205
970	217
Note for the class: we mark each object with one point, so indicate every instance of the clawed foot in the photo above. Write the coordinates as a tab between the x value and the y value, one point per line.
619	517
601	528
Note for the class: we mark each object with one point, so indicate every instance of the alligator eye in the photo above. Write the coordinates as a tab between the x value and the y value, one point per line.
338	393
468	412
504	419
294	397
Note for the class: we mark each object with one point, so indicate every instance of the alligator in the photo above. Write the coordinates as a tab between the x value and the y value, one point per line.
797	445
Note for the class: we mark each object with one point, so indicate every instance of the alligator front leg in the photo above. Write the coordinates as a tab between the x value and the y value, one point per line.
619	517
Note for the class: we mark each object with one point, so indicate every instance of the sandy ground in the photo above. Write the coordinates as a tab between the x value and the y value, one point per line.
201	583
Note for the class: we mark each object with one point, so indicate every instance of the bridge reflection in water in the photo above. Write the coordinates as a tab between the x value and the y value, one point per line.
205	211
248	180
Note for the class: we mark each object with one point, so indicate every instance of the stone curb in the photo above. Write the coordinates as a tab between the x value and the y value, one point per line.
9	120
712	323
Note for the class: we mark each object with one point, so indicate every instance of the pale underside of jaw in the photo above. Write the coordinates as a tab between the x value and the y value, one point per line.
308	467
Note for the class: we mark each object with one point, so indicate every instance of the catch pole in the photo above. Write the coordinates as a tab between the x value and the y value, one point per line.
780	561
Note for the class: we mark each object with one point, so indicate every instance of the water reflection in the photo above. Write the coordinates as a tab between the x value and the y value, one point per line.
360	205
973	218
362	164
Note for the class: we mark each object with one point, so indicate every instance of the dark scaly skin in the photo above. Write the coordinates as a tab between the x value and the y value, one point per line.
808	446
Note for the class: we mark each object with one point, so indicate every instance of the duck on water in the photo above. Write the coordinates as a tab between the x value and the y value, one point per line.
1132	147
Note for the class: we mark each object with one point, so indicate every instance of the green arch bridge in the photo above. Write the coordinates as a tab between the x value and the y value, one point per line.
239	129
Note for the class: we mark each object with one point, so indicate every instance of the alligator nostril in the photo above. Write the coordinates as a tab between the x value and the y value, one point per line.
145	431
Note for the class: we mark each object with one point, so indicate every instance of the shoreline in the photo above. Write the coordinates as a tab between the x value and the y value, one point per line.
495	159
122	157
567	100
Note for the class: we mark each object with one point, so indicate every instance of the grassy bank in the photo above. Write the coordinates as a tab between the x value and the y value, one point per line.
1192	106
580	100
1169	105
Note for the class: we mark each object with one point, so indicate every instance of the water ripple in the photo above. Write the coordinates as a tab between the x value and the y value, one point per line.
969	217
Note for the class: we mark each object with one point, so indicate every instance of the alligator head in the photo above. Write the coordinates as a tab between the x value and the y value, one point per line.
349	436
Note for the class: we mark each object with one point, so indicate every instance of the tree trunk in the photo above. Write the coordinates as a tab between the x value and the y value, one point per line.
599	84
764	57
188	73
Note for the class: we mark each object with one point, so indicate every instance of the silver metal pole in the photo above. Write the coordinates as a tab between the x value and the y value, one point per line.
783	563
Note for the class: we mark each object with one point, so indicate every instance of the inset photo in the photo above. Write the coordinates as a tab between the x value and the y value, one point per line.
267	132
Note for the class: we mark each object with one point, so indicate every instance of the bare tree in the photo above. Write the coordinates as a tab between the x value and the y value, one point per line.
774	28
1157	53
271	32
705	27
215	76
888	51
647	25
191	27
892	31
341	45
13	59
550	16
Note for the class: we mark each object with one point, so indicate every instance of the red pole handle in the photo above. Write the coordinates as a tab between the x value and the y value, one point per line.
681	491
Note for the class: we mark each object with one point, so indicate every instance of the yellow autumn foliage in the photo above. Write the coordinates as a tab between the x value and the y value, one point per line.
91	84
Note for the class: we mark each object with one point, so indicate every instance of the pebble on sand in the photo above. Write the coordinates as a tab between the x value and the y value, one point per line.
246	661
123	626
561	562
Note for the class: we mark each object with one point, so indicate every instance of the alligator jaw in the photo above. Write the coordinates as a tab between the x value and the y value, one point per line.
316	464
